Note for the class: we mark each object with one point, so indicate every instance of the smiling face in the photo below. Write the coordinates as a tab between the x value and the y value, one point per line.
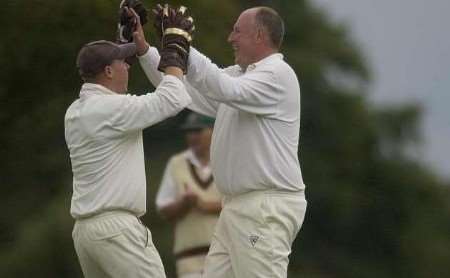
244	39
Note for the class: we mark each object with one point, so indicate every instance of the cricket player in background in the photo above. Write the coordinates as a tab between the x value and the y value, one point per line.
189	198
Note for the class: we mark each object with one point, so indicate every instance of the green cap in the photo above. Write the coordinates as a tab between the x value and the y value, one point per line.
197	121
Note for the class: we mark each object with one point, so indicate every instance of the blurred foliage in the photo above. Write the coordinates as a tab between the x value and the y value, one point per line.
374	211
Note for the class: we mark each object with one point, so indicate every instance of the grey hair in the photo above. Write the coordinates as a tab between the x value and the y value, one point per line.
269	19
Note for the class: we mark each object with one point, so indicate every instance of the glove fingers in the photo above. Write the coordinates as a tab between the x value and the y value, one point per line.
142	12
172	13
166	10
127	21
158	10
176	29
182	10
190	21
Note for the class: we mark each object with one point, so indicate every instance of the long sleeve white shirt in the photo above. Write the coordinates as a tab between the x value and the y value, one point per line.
256	133
103	132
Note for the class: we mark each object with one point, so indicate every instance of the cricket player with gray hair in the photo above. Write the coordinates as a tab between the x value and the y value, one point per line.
254	159
103	132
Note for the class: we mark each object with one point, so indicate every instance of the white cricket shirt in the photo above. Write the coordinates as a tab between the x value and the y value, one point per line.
256	132
103	132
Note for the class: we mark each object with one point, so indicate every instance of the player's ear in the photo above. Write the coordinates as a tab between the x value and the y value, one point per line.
109	72
260	35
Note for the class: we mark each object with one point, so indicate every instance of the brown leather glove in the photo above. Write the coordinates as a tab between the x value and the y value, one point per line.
175	29
126	25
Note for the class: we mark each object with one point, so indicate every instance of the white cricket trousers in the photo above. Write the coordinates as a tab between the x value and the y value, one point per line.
116	244
254	235
191	275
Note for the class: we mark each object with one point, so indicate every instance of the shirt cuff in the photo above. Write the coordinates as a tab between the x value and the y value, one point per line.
152	52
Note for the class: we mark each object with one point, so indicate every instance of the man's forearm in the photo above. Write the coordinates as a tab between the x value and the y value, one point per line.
175	71
210	207
174	211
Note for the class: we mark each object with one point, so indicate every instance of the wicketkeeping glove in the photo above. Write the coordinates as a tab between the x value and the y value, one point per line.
126	25
175	29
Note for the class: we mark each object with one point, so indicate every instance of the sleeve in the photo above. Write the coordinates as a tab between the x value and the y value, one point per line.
167	193
201	104
149	63
134	113
257	92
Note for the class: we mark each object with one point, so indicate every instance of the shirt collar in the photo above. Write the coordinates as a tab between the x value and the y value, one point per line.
267	60
90	89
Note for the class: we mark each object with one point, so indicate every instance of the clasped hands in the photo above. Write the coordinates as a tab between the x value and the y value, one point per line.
174	28
191	200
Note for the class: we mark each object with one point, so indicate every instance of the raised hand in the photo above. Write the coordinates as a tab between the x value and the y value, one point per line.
175	28
127	25
189	197
138	34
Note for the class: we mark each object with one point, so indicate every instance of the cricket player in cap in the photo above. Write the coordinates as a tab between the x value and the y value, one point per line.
189	198
103	132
